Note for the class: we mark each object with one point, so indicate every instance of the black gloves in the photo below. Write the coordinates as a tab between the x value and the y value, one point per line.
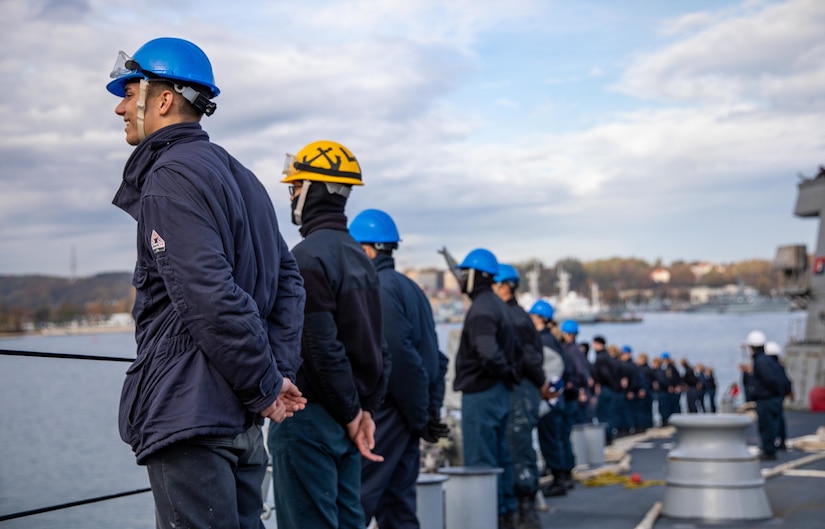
434	429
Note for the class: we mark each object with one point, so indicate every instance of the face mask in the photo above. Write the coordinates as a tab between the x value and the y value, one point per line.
298	203
466	280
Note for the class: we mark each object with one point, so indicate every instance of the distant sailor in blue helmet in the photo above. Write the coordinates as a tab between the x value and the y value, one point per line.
486	370
219	299
411	410
673	386
524	399
575	395
549	423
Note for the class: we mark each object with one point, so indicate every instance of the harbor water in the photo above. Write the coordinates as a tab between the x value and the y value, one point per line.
59	441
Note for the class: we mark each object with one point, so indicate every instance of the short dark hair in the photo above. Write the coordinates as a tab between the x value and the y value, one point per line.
187	109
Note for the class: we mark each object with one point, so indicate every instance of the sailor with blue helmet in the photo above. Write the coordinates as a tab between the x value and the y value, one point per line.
219	298
411	410
672	395
486	370
576	394
524	399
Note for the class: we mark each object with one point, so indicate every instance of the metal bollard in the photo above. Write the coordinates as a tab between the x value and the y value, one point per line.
594	436
711	475
429	508
578	443
587	441
471	497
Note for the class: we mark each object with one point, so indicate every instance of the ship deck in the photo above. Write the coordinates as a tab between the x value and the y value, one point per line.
796	495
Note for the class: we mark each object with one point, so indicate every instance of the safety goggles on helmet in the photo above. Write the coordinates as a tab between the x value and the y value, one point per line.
289	165
124	65
127	68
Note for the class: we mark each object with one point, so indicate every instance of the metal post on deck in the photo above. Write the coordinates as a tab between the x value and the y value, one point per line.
711	474
430	500
471	497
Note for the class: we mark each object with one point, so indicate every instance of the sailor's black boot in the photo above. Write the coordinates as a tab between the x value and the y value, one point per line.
507	521
556	488
528	517
567	479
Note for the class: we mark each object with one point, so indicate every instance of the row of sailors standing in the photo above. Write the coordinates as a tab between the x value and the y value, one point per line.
628	388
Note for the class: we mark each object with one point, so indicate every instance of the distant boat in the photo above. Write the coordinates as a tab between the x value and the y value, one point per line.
568	304
743	301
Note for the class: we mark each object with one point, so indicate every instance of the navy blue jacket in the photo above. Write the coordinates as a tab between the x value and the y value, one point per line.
416	385
346	364
487	350
648	376
579	370
606	371
788	385
532	355
672	375
218	301
767	379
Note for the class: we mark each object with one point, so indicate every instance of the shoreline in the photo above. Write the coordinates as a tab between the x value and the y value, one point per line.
72	331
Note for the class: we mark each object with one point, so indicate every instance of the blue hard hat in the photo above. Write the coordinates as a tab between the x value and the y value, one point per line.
543	309
481	259
373	226
165	58
627	349
570	327
506	273
665	355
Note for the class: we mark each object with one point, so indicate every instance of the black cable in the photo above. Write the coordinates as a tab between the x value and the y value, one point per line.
64	355
35	354
42	510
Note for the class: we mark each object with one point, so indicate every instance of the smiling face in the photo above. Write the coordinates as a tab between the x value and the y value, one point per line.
127	109
158	101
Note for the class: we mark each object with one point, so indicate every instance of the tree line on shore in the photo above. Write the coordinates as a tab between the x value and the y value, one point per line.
36	299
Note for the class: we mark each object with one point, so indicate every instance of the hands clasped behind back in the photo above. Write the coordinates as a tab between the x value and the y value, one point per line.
289	400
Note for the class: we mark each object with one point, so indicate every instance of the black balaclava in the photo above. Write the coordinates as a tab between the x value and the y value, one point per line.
471	281
318	202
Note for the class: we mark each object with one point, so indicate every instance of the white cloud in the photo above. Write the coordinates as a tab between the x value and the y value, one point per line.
699	163
739	58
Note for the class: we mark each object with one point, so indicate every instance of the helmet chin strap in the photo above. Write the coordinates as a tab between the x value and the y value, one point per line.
299	207
141	109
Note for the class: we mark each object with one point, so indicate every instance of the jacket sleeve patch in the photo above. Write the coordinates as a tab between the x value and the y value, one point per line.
158	244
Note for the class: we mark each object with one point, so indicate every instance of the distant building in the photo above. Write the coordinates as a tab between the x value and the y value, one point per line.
120	319
702	294
429	280
660	275
702	268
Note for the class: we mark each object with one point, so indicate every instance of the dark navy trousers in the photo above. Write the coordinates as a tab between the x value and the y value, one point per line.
549	433
388	488
524	415
768	412
316	472
211	481
606	411
484	417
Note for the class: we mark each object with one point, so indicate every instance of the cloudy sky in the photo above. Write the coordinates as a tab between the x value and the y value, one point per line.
535	128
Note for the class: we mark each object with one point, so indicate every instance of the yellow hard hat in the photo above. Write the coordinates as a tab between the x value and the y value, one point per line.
323	161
